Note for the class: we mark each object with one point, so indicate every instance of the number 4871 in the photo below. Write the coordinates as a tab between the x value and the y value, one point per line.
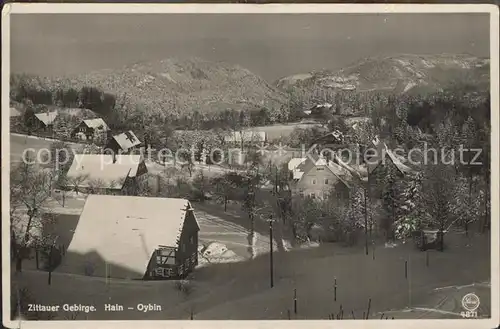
469	314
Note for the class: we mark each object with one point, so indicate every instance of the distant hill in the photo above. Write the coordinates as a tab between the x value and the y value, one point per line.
399	74
183	85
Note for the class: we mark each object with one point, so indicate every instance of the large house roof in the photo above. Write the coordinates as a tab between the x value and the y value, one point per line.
96	123
314	160
127	140
46	117
125	231
100	167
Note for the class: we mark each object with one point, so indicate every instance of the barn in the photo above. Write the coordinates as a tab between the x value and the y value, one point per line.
129	237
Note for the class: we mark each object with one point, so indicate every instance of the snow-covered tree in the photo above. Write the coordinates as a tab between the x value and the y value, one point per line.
409	210
390	199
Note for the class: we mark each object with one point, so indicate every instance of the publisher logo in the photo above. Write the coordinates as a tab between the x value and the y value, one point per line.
470	302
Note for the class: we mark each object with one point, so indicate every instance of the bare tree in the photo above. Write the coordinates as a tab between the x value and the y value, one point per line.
252	205
96	186
29	191
76	182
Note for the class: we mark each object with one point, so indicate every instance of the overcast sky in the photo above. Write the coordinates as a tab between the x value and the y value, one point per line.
271	46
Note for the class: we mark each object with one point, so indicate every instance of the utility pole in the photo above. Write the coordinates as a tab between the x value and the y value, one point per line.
271	268
366	220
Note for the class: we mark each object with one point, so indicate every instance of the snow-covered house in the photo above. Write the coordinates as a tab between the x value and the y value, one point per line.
91	129
131	237
316	177
45	120
124	142
106	173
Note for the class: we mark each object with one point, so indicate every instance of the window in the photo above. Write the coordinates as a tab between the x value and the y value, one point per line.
163	272
320	168
312	195
326	181
314	182
183	247
191	240
165	260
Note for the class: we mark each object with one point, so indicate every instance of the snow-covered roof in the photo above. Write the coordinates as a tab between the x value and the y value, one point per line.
318	160
124	231
100	167
295	162
127	140
46	117
382	151
96	123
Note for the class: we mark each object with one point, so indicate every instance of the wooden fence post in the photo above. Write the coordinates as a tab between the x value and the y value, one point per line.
335	290
368	310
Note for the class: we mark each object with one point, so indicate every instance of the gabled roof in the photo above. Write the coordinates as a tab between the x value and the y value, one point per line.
127	140
125	230
46	117
295	162
342	174
314	161
382	152
100	167
96	123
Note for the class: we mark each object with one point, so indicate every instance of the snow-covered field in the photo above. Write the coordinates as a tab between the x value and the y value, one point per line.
241	290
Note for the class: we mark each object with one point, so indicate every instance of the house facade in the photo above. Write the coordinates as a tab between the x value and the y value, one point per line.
317	177
177	261
92	130
139	238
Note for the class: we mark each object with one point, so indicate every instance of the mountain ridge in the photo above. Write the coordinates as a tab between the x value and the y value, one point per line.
397	73
180	86
174	84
